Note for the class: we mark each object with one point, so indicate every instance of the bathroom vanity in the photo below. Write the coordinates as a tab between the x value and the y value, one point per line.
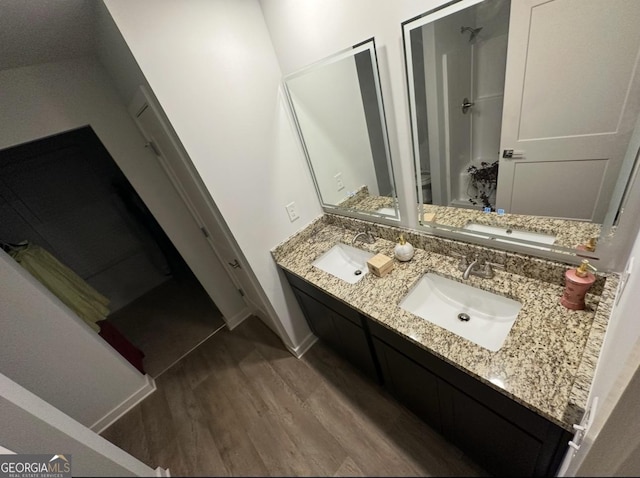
511	410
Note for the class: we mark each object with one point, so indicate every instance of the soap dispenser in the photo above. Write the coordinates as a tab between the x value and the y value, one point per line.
577	283
403	250
590	246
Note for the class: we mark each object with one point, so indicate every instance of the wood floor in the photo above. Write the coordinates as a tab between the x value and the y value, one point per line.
168	322
241	405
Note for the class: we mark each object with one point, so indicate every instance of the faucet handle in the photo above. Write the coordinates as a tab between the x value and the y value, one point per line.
463	258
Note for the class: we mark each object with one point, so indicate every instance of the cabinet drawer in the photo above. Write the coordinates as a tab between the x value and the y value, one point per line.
321	296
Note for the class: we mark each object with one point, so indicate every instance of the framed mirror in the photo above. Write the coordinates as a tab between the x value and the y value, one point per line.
522	114
337	107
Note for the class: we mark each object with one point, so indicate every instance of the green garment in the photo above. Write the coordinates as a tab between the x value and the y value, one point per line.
69	287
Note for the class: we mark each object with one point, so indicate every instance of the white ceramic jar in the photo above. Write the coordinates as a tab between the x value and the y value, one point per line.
403	250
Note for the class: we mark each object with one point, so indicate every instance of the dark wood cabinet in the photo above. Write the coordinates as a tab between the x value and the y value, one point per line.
337	324
410	383
319	317
502	435
497	444
506	438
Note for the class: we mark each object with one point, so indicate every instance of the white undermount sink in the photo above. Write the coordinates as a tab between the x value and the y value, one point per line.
345	262
482	317
390	211
508	233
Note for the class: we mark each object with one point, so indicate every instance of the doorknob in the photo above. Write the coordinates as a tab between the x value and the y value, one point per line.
235	264
466	105
512	154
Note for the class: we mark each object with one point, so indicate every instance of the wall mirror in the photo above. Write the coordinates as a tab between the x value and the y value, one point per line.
522	114
337	106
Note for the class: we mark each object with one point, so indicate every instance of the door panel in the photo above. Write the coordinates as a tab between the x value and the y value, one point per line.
538	184
571	92
225	290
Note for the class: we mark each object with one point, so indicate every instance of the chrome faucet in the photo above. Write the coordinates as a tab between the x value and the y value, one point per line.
475	268
469	268
364	236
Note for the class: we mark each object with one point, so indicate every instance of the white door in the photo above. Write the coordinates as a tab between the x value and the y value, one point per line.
224	267
572	95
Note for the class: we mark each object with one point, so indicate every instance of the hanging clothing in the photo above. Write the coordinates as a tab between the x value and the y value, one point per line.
69	287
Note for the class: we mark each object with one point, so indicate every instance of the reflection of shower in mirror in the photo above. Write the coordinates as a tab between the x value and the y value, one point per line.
459	65
474	32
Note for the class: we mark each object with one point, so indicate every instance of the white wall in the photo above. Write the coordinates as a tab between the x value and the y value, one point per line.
616	450
616	365
330	112
31	425
51	352
304	32
213	70
116	57
46	99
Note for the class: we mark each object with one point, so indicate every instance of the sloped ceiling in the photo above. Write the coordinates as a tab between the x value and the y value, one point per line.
39	31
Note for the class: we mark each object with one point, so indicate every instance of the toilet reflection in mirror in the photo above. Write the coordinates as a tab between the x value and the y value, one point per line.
338	110
510	110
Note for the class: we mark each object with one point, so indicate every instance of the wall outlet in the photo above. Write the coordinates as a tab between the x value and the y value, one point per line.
339	183
292	211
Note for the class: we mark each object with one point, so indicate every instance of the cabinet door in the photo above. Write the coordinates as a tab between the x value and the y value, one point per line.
355	346
320	319
412	384
345	337
500	446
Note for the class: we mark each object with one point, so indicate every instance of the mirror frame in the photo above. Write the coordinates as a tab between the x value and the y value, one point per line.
616	202
366	45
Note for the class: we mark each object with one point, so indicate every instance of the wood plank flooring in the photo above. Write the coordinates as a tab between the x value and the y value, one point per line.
242	405
168	321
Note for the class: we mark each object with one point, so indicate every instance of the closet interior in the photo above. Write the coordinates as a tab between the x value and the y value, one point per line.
71	218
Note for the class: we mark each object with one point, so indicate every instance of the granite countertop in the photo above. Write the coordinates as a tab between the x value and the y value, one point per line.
568	233
548	359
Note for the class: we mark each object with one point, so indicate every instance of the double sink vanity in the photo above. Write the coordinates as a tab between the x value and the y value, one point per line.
511	188
506	385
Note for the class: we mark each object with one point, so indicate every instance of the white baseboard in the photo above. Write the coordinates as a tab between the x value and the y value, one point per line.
305	345
237	319
147	389
163	472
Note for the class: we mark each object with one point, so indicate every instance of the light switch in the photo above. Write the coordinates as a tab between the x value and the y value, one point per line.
292	211
339	183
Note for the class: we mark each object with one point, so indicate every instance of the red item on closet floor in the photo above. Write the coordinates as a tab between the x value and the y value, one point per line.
119	342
